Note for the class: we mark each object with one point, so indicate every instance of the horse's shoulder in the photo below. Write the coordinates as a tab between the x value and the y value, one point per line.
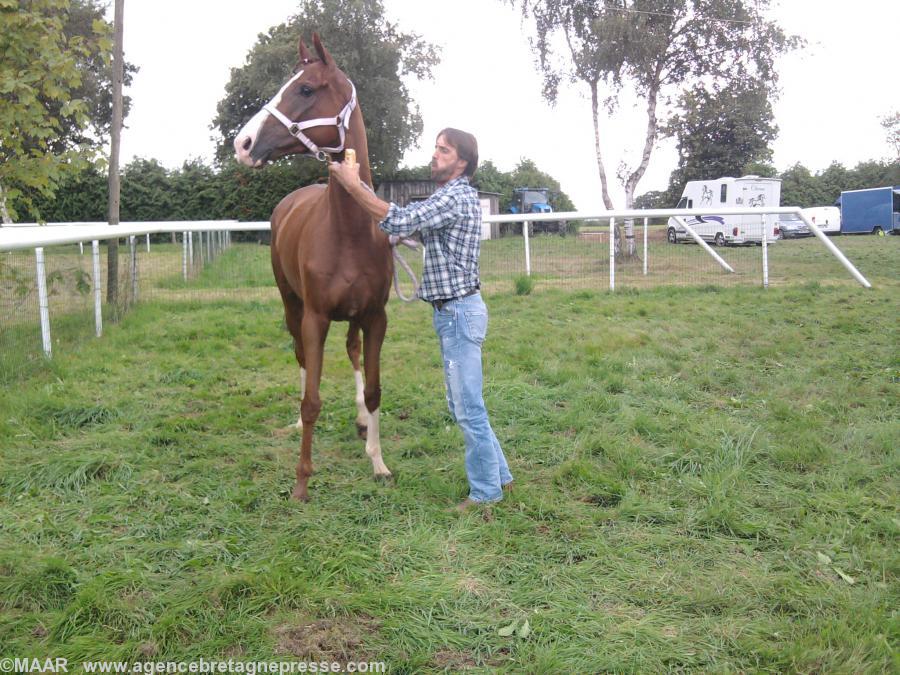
304	195
298	201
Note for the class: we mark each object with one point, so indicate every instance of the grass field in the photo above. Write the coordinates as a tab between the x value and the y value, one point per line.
706	481
243	272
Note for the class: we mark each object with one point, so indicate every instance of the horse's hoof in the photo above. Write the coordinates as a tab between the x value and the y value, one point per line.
362	430
384	478
300	495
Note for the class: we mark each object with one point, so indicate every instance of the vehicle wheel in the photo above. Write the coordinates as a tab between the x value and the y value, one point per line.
720	239
672	236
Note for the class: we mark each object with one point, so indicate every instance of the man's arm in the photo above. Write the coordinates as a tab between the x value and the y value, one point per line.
348	177
432	214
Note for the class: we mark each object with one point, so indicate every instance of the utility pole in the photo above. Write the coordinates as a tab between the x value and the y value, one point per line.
118	75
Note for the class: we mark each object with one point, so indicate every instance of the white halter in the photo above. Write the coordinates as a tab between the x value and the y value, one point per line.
295	129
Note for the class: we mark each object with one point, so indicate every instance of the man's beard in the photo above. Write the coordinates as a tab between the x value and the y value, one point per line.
439	175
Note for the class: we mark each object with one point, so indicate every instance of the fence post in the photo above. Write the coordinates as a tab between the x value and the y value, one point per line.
525	226
184	254
190	245
765	256
612	254
645	246
835	251
98	292
43	303
148	243
134	272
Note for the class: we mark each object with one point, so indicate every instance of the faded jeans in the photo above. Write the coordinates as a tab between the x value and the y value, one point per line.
461	326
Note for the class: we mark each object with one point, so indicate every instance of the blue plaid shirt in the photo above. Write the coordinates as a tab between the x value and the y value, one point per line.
450	223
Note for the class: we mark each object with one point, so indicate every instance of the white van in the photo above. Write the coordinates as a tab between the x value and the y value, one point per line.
728	193
826	218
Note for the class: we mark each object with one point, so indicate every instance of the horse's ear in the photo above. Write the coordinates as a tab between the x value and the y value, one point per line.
324	56
304	52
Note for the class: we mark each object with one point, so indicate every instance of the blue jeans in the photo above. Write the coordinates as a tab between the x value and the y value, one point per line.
461	326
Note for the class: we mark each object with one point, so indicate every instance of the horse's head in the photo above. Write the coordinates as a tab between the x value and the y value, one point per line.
310	114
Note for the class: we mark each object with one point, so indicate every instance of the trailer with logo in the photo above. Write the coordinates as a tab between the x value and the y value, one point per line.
723	230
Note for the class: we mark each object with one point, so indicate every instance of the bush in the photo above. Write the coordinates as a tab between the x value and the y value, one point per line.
524	284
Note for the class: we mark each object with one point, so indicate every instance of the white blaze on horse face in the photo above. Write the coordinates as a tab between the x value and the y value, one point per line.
246	138
373	446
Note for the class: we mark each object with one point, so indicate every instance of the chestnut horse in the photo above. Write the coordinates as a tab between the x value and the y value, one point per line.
331	261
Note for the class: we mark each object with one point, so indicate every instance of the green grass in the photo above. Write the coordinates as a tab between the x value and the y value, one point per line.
706	481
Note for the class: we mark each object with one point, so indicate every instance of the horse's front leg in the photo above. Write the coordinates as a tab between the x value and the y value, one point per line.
373	337
313	332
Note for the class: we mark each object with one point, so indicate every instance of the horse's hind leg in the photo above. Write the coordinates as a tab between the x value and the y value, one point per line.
353	349
373	337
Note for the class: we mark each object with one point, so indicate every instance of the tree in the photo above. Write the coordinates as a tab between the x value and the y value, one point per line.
799	187
38	72
147	193
655	48
86	20
655	199
720	133
374	53
891	125
54	80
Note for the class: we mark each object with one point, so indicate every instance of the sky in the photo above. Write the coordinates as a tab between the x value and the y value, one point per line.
833	91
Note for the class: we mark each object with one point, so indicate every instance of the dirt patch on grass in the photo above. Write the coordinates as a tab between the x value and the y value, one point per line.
340	639
453	661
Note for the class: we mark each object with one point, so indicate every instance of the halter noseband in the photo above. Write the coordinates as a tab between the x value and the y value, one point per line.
295	129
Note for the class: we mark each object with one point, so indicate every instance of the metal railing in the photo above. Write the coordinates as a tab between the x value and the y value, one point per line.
201	241
679	215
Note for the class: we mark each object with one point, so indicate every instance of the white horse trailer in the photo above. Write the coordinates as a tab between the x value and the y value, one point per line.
728	192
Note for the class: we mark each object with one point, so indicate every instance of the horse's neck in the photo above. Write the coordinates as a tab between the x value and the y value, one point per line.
350	213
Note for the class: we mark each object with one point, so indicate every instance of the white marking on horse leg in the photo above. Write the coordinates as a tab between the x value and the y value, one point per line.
362	415
302	394
373	446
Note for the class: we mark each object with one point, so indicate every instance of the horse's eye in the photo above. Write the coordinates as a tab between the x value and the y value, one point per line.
306	90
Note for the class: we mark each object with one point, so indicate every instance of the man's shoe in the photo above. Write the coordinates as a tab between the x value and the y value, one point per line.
508	487
463	506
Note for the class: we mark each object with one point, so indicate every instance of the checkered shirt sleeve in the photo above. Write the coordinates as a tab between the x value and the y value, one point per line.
450	224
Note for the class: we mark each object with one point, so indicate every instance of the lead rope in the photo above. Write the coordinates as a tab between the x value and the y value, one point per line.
350	159
414	245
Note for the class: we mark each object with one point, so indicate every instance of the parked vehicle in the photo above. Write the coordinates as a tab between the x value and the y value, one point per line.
531	200
728	193
792	226
826	218
535	200
876	210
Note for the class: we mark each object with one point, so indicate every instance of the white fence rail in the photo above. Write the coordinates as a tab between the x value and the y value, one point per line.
214	236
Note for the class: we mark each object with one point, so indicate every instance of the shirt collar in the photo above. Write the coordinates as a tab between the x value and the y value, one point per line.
459	180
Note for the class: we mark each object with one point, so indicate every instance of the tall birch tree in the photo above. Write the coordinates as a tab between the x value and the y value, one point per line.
655	49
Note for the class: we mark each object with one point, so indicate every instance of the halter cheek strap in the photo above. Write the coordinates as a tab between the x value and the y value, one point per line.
295	129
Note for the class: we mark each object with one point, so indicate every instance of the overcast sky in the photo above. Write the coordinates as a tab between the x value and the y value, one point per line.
833	92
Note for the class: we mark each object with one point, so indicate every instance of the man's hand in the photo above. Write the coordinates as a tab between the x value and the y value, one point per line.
346	174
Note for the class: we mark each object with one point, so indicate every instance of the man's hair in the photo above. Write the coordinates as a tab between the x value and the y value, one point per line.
466	147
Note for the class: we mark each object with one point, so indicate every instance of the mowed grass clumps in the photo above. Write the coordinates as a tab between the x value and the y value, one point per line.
705	480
